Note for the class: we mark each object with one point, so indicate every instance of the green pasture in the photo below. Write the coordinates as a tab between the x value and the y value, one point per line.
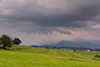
22	56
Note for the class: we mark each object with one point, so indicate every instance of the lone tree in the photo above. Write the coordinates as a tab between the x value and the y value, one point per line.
16	41
74	50
6	41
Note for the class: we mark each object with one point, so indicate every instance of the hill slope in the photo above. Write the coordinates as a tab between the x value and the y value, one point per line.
22	56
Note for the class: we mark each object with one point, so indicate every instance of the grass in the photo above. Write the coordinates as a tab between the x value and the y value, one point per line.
90	53
87	53
22	56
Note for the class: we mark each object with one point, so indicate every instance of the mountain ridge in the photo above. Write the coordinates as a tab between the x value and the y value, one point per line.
72	44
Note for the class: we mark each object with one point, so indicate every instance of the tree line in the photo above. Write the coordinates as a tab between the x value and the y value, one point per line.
7	41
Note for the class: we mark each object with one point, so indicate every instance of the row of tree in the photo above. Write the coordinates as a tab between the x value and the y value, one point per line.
7	41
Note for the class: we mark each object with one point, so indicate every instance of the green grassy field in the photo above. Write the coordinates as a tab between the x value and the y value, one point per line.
22	56
87	53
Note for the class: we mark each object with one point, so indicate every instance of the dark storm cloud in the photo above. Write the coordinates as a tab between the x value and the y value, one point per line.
52	13
78	17
44	30
49	21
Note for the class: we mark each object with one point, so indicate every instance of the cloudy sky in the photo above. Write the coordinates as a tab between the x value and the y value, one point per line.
49	21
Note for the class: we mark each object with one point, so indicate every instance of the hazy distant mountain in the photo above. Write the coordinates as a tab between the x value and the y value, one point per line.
82	44
96	41
85	40
92	44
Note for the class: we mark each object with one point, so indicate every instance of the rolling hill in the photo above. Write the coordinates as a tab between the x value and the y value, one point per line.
24	56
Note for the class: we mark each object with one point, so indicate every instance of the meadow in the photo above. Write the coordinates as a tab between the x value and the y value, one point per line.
24	56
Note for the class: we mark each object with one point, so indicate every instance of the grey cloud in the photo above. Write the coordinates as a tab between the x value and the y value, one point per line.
44	30
64	32
61	15
74	18
53	13
29	27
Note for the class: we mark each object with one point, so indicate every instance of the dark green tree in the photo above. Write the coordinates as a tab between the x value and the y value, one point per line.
6	41
16	41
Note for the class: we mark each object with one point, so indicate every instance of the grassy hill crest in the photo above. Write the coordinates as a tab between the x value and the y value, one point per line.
25	56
